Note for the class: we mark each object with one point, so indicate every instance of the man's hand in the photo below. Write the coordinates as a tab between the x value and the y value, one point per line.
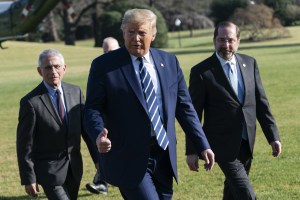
209	158
276	148
102	142
32	190
192	162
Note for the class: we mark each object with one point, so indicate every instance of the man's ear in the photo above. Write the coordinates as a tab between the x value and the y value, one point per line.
65	68
39	71
153	37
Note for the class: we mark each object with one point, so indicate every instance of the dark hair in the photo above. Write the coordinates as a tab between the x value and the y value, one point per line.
226	24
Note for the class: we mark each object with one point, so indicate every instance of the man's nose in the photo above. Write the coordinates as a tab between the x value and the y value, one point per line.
136	36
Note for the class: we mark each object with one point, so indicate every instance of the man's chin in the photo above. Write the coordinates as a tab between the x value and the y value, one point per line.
137	53
226	56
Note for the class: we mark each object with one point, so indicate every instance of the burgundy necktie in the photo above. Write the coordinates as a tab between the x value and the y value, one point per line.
61	110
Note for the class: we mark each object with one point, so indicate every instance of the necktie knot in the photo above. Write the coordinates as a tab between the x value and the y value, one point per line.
58	92
140	59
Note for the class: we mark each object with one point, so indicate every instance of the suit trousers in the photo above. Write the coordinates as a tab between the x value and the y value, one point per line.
237	184
157	183
67	191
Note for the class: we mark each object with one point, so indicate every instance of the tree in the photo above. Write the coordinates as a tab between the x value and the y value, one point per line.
222	10
190	12
258	22
292	15
70	22
98	11
110	22
64	20
280	8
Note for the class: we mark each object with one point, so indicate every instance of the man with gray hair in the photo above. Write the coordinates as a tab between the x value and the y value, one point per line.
49	133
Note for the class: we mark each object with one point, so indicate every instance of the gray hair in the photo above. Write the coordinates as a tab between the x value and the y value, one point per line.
49	52
139	16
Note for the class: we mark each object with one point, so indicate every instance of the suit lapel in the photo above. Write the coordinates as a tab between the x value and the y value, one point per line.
218	69
129	74
48	103
243	70
163	79
67	99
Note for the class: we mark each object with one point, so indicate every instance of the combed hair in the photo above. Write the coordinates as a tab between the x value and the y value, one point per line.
50	52
140	16
226	24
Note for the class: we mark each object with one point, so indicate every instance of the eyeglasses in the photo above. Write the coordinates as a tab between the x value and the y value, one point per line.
49	67
224	40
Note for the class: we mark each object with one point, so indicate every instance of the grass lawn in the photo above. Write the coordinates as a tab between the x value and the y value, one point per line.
278	60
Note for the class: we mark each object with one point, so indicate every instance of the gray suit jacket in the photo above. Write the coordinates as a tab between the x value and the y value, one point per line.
45	147
224	115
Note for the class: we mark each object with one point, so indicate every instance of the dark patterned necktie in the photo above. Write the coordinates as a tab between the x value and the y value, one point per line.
152	105
60	105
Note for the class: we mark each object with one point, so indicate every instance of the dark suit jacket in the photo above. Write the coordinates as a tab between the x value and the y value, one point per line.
115	101
224	115
46	147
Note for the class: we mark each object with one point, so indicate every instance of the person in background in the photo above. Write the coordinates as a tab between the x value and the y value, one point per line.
49	133
99	186
110	44
133	96
227	87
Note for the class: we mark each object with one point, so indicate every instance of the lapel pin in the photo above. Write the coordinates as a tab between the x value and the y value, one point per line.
162	65
244	65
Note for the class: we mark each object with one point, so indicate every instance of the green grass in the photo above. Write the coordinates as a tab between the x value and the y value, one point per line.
273	179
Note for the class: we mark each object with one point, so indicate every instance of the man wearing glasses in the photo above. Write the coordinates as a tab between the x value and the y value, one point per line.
49	133
227	88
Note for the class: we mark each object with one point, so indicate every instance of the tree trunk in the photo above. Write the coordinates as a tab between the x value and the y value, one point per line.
69	29
97	27
53	27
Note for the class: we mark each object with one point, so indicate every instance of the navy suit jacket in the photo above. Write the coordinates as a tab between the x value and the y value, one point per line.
224	115
45	147
115	101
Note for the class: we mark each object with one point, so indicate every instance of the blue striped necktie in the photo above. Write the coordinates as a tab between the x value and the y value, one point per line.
152	105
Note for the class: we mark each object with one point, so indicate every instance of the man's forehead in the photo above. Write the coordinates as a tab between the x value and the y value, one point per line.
144	25
228	33
52	59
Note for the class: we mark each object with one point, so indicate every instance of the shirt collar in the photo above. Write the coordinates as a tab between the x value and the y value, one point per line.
146	58
224	62
51	90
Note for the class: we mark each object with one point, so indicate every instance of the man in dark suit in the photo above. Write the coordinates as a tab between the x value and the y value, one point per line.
135	156
48	133
228	89
99	185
